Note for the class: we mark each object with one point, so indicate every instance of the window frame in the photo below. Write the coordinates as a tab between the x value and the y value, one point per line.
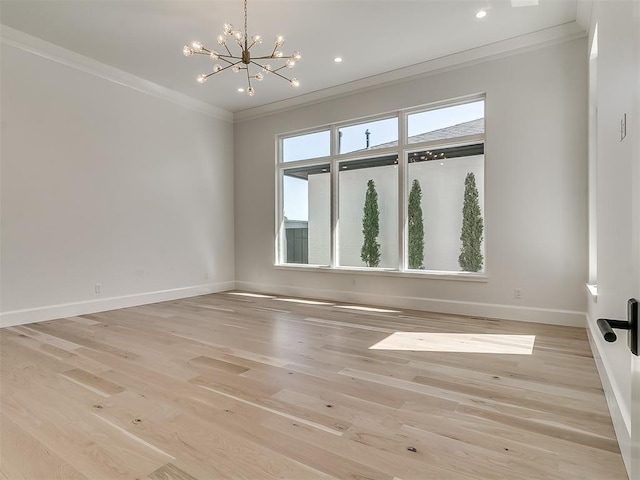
402	150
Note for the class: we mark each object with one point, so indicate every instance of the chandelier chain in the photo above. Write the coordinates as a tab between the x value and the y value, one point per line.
245	25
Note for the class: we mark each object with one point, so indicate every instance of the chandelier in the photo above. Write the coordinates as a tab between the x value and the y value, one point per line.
244	60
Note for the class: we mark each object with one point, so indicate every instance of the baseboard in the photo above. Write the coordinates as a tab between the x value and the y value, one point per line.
41	314
620	414
506	312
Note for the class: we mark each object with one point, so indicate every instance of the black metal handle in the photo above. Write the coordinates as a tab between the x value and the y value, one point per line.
606	326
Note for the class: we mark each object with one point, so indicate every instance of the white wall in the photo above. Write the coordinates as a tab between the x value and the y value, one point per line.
535	190
617	68
102	183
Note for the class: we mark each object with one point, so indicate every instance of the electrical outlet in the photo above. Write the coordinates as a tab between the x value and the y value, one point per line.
98	288
517	293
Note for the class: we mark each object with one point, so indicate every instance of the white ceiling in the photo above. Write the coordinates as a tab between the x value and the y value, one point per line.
145	37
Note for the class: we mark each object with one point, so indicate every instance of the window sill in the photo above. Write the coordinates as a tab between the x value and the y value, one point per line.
593	292
427	275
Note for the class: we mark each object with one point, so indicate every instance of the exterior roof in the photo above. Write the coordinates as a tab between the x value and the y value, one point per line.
464	129
472	127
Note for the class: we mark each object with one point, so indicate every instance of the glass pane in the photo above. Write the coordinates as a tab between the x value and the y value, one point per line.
360	243
364	136
307	215
303	147
441	184
448	122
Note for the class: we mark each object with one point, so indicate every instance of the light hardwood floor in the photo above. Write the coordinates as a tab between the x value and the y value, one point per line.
229	386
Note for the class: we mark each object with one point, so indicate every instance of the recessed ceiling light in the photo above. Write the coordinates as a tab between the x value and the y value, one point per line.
241	90
337	59
481	14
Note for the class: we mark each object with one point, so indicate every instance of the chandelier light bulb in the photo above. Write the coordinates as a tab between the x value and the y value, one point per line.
279	40
217	67
294	82
187	51
197	46
296	56
237	34
228	28
290	63
214	55
277	54
222	40
257	39
201	78
251	92
266	68
259	76
235	69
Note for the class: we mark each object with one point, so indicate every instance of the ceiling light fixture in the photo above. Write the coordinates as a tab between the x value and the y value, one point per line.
244	60
337	59
481	14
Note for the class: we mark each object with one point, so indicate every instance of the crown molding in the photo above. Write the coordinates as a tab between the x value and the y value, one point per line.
532	41
37	46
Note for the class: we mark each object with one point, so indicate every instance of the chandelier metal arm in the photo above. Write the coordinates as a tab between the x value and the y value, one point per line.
225	58
271	57
207	52
222	69
275	72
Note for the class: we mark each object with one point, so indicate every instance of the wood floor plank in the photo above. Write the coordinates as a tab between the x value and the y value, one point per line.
24	457
242	386
92	382
170	472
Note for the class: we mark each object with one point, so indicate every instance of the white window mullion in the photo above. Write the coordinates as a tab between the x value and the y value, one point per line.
402	185
334	198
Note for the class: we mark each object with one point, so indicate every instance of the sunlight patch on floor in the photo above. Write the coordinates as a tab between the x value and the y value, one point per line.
458	342
366	309
306	302
245	294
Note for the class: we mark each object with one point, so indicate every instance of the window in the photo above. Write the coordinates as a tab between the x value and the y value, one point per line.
310	145
361	196
306	221
443	176
374	134
356	178
446	123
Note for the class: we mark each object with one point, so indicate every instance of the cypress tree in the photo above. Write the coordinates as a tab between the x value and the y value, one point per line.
370	252
416	227
471	258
